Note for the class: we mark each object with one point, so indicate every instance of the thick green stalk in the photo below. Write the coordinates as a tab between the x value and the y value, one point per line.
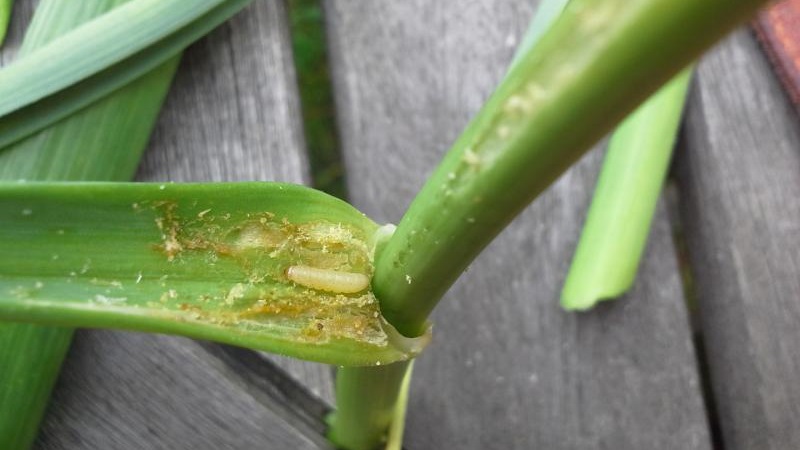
597	62
102	142
366	401
5	14
618	222
360	422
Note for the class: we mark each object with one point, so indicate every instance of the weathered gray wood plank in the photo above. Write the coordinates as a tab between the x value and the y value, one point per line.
740	184
232	115
508	368
132	391
232	112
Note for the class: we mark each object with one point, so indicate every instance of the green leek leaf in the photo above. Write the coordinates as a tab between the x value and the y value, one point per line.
102	141
631	180
77	69
270	266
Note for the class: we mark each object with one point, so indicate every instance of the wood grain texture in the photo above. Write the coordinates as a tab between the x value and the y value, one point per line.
740	184
131	391
232	115
507	368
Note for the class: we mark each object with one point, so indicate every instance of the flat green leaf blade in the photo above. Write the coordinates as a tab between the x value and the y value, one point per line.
100	142
270	266
103	141
32	117
95	46
613	240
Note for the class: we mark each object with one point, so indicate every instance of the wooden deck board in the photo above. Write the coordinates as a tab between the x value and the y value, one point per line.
508	368
132	391
740	182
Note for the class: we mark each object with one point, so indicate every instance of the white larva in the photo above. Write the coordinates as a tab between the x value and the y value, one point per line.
328	280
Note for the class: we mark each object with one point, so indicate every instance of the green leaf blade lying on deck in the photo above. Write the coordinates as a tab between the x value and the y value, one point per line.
35	97
125	30
630	184
205	261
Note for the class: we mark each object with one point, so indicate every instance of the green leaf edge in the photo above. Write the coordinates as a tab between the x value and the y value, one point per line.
615	234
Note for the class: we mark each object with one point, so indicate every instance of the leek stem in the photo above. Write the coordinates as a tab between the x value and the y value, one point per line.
593	67
366	403
355	424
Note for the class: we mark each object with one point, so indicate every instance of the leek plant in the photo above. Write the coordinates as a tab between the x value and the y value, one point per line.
295	272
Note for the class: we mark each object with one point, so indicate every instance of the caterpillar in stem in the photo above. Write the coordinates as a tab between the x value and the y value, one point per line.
328	280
